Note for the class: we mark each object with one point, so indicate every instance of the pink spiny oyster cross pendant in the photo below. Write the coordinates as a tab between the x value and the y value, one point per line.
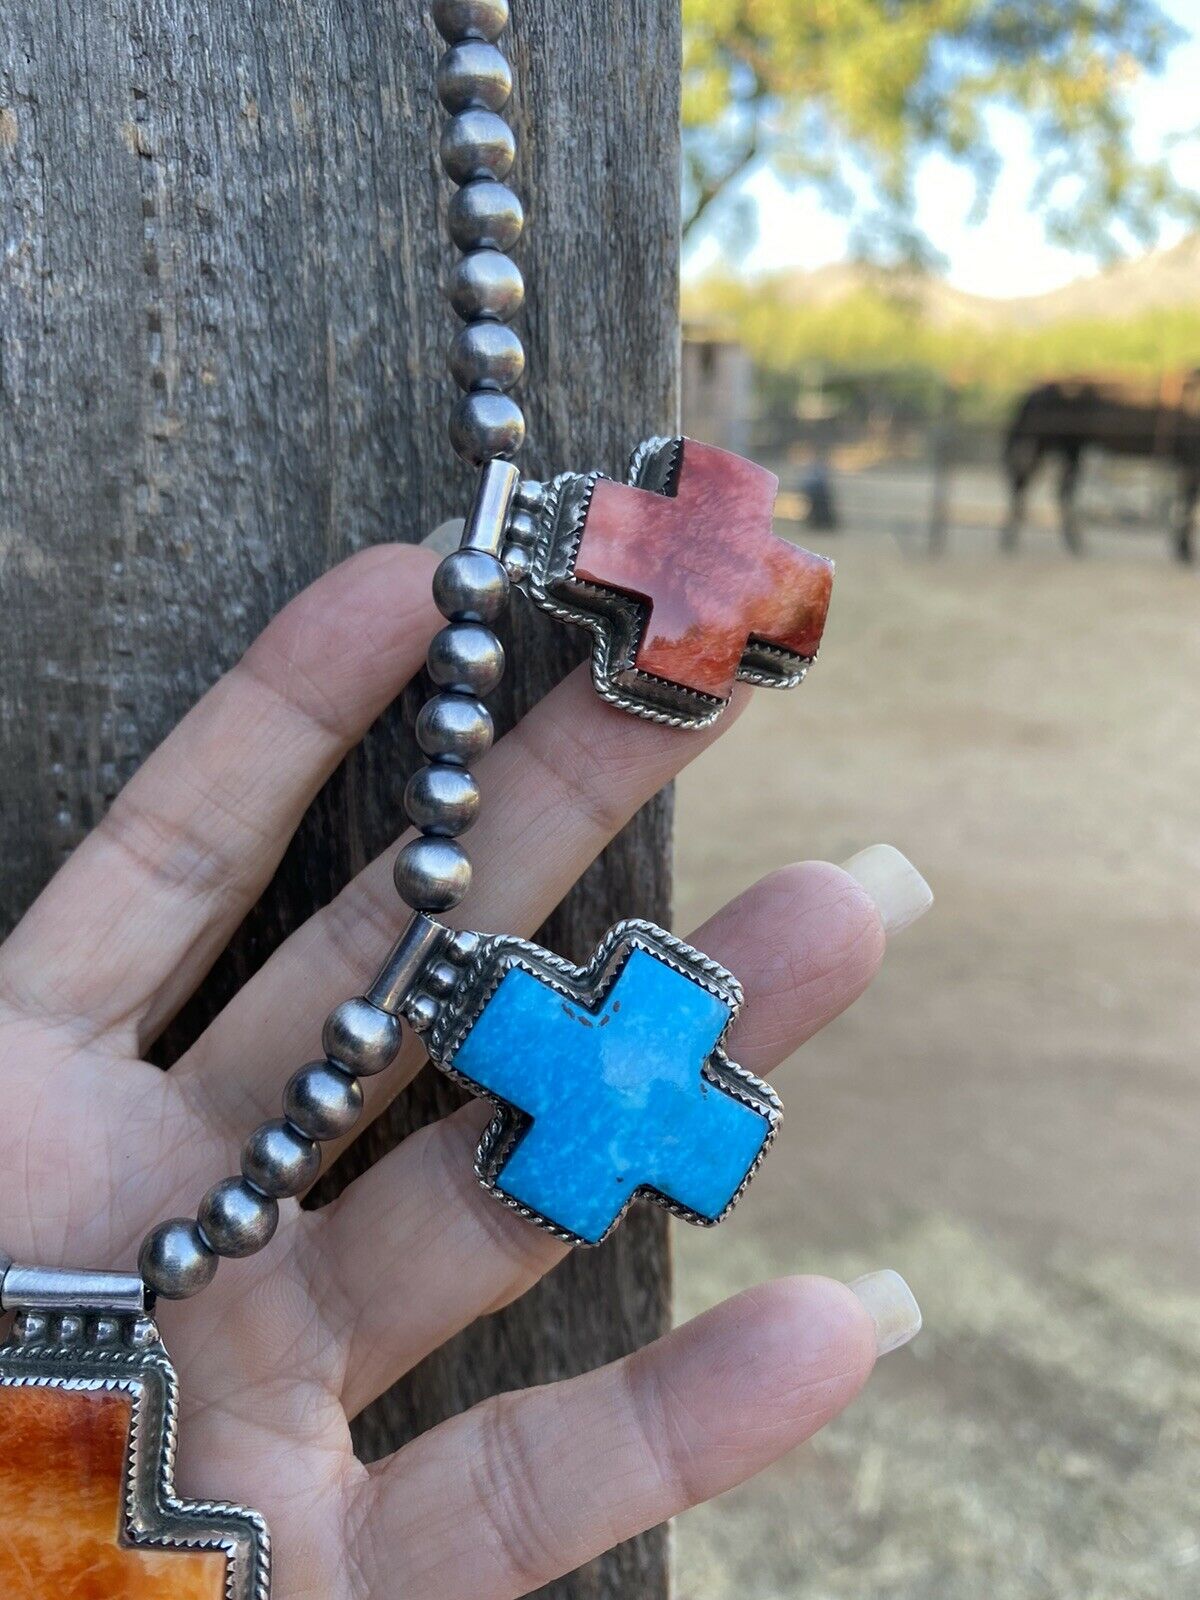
681	579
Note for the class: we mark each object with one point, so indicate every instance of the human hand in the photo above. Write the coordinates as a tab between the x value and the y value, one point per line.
281	1351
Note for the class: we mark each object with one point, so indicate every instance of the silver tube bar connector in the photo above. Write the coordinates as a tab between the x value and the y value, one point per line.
487	519
413	950
65	1289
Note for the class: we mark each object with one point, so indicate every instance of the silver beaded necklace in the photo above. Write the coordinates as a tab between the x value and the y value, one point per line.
609	1081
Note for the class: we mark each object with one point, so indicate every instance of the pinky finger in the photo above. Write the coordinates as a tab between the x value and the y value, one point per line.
507	1497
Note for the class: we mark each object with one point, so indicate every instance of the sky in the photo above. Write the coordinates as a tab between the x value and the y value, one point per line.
1006	253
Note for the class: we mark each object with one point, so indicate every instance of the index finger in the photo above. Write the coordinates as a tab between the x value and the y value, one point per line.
126	930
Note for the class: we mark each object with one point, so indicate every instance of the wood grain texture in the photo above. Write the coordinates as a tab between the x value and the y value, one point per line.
222	369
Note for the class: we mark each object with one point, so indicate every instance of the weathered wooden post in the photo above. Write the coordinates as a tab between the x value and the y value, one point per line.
222	369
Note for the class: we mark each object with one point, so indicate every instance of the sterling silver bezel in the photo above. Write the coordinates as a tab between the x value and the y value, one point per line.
154	1515
587	987
617	620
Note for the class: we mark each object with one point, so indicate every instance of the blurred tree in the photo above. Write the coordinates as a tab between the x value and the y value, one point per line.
850	94
875	331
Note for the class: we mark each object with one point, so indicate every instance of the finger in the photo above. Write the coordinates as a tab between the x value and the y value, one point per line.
123	934
804	942
528	1486
555	791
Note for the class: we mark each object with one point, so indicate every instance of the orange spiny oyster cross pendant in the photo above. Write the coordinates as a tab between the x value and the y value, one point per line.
681	579
87	1501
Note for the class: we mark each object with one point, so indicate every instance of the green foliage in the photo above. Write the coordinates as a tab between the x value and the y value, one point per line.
849	94
884	335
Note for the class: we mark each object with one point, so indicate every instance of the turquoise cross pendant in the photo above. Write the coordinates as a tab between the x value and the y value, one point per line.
610	1081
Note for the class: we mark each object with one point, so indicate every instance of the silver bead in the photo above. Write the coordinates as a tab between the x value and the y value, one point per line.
531	495
486	283
522	528
441	800
517	562
486	355
143	1333
432	874
484	425
473	74
31	1327
470	586
470	19
235	1219
477	144
422	1011
280	1160
485	215
175	1261
465	944
322	1100
361	1037
467	657
455	728
442	978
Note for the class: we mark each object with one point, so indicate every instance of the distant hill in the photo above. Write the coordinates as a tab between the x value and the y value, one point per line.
1159	280
1138	319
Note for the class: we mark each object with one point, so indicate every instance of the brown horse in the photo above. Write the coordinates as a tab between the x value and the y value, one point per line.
1159	422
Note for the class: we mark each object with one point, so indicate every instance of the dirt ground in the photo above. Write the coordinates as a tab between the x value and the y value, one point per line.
1011	1116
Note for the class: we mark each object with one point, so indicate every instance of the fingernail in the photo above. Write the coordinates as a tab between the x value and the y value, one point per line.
893	1308
899	891
445	536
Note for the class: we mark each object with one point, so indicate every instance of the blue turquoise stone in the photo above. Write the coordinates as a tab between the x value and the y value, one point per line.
616	1096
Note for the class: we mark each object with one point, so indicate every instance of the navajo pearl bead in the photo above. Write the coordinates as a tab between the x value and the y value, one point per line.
360	1037
473	74
279	1159
484	426
175	1260
470	19
322	1100
454	728
236	1219
486	355
470	586
432	874
477	144
485	214
442	800
467	657
486	283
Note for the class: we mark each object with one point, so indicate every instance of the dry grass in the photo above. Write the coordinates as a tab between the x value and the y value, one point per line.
1010	1117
